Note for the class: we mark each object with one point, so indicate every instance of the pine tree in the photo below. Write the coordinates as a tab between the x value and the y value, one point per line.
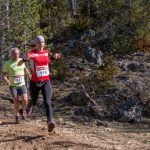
22	22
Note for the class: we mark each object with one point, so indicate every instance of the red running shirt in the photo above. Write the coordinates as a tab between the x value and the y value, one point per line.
39	65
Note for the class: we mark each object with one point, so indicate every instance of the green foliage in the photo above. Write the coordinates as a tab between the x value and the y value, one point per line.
103	78
22	24
54	16
122	45
119	21
127	19
59	70
80	24
108	71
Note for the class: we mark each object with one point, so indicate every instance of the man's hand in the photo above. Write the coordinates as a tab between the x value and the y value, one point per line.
7	82
5	78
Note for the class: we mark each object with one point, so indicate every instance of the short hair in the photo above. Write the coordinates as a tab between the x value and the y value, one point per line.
14	49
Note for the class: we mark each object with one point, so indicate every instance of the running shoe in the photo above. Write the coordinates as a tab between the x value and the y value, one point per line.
17	121
23	115
51	126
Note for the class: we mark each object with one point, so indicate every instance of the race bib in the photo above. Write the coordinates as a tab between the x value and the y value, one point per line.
18	79
42	71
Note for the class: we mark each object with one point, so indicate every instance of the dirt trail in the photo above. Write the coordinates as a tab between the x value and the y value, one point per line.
32	134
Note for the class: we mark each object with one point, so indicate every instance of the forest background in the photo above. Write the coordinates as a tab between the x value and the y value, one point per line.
128	22
101	84
112	29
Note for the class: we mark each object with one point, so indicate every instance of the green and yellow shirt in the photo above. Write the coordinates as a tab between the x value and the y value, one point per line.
15	73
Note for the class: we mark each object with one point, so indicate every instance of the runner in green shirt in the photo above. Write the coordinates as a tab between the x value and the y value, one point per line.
14	77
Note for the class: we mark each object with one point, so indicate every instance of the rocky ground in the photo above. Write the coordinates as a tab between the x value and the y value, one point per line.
78	126
69	134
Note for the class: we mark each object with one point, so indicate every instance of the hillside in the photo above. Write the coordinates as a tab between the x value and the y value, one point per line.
101	83
73	132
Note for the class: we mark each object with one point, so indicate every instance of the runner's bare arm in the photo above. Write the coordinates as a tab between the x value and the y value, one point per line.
27	72
5	77
26	58
20	62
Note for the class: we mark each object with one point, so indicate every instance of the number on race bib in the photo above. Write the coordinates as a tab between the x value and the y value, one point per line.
42	71
19	79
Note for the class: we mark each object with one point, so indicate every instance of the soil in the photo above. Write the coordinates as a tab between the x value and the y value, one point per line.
32	134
